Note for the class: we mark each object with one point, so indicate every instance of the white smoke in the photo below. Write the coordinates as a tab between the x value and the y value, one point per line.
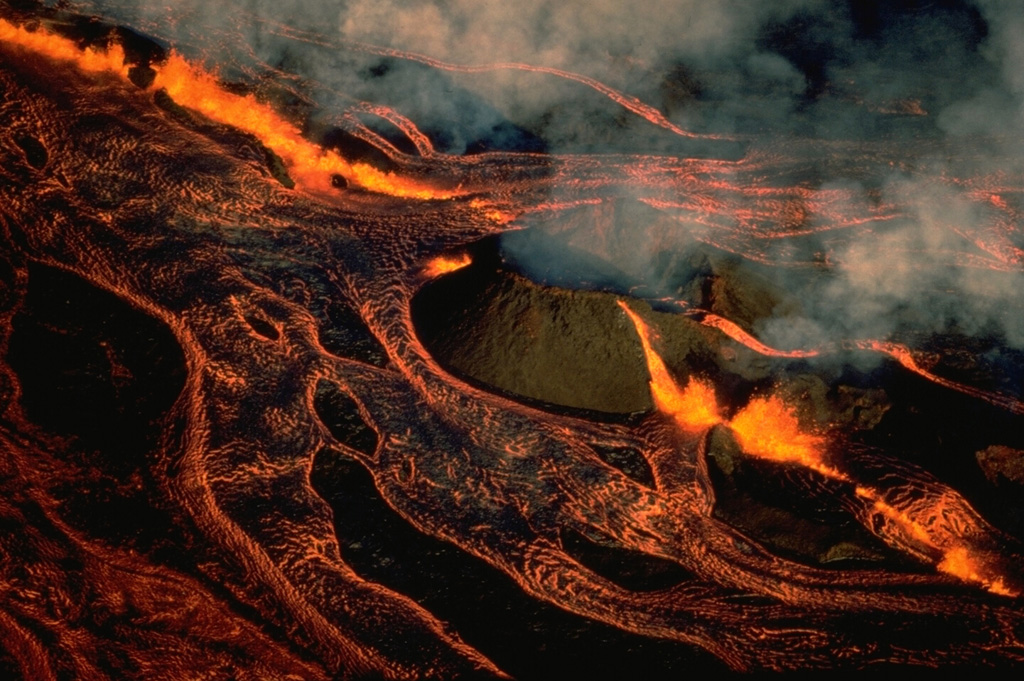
938	86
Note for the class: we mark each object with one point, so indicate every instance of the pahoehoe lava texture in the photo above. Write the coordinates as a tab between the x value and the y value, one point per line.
251	430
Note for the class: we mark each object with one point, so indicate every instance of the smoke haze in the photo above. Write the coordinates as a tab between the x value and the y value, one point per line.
918	105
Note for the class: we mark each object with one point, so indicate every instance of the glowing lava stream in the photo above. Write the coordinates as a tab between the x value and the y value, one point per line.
445	264
55	47
767	428
630	103
311	166
895	351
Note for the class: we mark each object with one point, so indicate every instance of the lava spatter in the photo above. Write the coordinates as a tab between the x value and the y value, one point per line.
694	407
445	264
767	428
210	542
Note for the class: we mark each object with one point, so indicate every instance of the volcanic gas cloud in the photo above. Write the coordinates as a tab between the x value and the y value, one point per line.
382	346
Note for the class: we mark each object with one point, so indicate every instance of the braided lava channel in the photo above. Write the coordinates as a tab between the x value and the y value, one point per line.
202	548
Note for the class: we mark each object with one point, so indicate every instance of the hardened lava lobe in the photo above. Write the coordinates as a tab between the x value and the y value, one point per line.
227	452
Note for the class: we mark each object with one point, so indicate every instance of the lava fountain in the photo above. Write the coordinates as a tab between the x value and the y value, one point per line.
287	396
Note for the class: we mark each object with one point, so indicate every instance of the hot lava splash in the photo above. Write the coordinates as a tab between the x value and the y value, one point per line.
208	318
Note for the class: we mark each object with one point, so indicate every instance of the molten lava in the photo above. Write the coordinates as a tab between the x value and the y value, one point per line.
237	454
693	408
309	165
959	563
899	353
52	46
767	428
446	264
190	86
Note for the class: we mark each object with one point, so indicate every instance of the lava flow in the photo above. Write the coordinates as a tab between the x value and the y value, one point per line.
693	407
194	88
228	450
308	164
899	353
445	264
767	428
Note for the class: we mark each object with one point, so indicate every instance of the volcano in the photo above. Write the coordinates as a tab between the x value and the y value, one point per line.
305	383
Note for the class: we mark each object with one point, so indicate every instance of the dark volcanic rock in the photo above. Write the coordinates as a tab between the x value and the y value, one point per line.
572	349
569	348
840	407
577	349
1001	464
806	526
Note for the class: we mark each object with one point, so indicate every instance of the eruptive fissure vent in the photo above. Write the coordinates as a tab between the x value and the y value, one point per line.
275	403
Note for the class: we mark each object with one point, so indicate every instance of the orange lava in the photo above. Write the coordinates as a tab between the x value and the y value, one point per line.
446	263
959	563
496	215
734	331
311	166
900	353
905	357
265	398
768	428
63	49
898	517
629	102
693	408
